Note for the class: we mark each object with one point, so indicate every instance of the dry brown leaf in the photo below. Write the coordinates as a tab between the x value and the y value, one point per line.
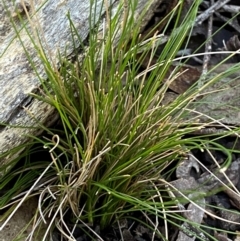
188	76
233	44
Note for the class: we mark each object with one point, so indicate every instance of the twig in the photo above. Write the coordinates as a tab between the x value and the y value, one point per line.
208	45
232	22
231	8
205	15
208	48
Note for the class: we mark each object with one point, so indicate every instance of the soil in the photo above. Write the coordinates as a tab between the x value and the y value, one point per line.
18	226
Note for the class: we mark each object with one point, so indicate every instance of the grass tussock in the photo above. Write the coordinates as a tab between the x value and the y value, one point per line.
115	139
